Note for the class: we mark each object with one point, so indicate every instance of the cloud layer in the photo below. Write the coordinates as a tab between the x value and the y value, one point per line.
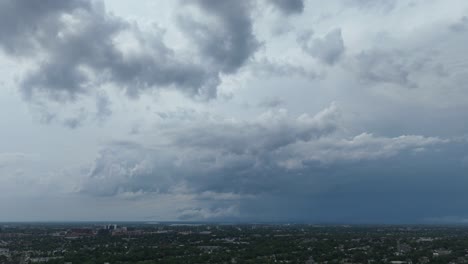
336	111
238	162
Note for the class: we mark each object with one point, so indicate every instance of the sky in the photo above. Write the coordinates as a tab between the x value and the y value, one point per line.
339	111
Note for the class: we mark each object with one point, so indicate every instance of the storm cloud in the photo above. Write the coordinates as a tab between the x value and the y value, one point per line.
238	162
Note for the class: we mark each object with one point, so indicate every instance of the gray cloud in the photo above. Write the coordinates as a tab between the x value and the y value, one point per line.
25	24
86	54
328	49
227	40
288	6
268	132
74	48
361	147
205	154
224	164
400	67
77	46
386	67
129	168
408	62
48	114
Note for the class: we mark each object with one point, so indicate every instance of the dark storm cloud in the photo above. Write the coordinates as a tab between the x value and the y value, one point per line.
288	6
402	188
217	156
328	49
226	38
240	163
410	189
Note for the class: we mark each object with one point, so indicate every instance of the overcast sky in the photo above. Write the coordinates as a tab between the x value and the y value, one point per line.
234	110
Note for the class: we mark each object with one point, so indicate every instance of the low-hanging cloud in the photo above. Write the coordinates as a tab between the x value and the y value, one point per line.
237	161
219	150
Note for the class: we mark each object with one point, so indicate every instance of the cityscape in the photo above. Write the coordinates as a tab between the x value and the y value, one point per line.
147	243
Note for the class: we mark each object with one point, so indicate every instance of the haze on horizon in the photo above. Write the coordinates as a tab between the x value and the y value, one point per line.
349	111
